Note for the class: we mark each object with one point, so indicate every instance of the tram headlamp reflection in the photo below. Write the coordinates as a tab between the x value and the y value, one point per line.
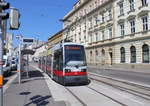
67	70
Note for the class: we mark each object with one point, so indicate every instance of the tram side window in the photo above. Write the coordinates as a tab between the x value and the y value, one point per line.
58	60
49	61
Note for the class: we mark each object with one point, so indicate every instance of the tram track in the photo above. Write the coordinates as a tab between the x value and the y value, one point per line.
96	91
76	97
122	104
134	89
129	83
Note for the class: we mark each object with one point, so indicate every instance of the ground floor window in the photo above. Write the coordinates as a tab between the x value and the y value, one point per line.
122	52
145	53
133	54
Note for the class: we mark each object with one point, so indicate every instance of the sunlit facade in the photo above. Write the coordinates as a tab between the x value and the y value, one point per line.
116	33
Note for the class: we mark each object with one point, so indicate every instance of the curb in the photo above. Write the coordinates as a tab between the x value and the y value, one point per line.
12	78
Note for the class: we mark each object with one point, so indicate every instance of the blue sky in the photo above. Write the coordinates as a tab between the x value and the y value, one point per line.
40	18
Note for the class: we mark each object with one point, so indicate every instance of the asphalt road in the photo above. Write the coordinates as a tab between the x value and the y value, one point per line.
137	77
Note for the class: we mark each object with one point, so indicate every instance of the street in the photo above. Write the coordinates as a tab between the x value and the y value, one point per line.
75	53
125	74
39	89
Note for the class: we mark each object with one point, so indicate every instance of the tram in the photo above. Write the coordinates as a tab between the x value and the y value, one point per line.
67	64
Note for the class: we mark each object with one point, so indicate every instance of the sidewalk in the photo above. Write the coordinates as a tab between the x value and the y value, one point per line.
33	91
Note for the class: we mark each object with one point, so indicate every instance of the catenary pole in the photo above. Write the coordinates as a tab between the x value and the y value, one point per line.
1	62
1	68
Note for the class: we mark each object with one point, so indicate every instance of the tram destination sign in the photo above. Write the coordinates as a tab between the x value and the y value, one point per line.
73	47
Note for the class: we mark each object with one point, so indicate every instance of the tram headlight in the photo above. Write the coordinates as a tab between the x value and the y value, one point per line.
83	70
67	70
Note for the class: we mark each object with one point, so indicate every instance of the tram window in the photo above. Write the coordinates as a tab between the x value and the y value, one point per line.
74	53
58	60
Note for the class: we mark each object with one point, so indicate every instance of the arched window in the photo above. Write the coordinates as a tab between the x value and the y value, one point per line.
103	56
145	53
90	55
122	52
96	53
103	52
133	54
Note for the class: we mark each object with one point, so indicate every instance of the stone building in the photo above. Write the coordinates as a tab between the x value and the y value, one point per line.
54	39
116	33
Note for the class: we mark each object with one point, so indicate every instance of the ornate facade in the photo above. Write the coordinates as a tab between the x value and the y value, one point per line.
116	33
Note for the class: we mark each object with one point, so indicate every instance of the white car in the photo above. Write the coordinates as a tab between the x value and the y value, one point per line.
6	66
13	65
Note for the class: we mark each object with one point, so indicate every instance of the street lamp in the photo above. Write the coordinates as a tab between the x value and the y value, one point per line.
19	37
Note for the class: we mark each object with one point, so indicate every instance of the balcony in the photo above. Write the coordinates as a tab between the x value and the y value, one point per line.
143	6
143	10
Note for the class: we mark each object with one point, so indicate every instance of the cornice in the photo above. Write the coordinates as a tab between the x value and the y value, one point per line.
119	42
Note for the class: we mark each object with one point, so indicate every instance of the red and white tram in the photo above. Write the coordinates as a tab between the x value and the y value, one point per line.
67	64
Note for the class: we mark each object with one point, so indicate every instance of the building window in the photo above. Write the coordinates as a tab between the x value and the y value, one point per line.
79	37
121	9
96	52
103	18
103	35
131	5
132	24
96	35
110	32
144	2
145	23
95	4
145	52
133	54
122	52
90	23
110	14
103	56
122	32
91	39
75	37
96	20
90	55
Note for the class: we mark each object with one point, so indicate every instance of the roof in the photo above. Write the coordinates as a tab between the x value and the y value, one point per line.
27	51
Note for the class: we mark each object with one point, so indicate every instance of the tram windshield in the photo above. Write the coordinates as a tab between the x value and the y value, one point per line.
74	55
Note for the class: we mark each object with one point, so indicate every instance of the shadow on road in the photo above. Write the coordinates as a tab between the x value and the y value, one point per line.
32	74
25	93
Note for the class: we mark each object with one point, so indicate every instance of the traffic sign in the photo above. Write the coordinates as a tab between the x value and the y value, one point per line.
27	40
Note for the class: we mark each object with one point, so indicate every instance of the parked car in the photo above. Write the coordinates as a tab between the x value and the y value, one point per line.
6	66
13	65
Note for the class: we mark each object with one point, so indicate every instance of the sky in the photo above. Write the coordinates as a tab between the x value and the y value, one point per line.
40	18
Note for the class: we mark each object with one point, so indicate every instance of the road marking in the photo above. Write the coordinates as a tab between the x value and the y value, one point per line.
7	85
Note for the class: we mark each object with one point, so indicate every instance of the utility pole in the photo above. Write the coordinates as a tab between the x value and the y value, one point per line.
19	37
1	69
3	15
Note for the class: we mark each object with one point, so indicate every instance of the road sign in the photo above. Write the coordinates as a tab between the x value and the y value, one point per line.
27	40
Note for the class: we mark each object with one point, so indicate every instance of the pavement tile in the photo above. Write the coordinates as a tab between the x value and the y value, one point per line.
33	91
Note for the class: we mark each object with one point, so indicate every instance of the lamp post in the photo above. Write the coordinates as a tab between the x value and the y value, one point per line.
19	37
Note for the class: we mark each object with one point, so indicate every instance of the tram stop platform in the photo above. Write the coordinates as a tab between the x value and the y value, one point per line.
33	91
